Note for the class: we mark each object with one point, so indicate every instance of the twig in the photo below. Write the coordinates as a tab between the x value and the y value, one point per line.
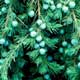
7	17
32	2
22	22
38	8
75	24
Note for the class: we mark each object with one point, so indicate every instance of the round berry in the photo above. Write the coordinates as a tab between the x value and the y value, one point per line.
61	50
2	41
14	23
42	51
39	38
52	7
62	31
74	42
39	21
47	76
51	2
59	5
64	43
7	1
43	26
10	34
42	44
78	65
3	9
6	43
72	4
33	34
47	1
1	61
36	46
4	54
65	9
14	15
31	29
31	13
69	46
49	58
45	6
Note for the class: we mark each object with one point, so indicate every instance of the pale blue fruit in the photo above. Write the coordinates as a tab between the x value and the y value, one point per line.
49	58
39	38
42	44
36	46
7	1
78	65
31	13
42	51
74	42
47	76
39	21
2	41
61	50
59	5
43	26
52	7
3	9
47	1
31	29
65	9
64	43
14	23
45	6
62	31
72	4
33	34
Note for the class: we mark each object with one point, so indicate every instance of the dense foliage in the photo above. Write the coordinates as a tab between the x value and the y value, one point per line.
39	40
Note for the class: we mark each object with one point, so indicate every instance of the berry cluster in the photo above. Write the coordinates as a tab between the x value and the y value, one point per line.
40	43
49	4
65	7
